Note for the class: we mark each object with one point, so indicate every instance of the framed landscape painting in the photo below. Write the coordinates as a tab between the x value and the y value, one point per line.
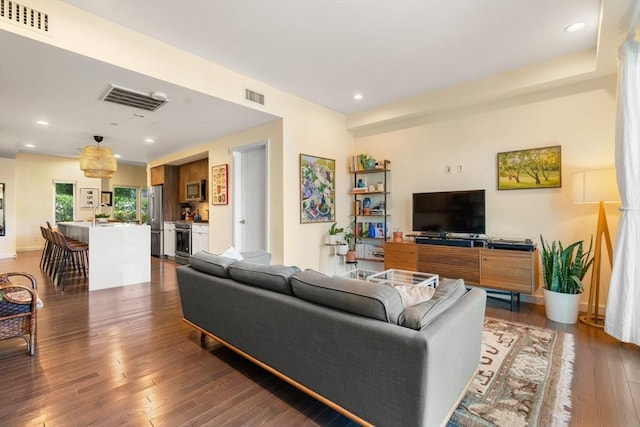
528	169
317	189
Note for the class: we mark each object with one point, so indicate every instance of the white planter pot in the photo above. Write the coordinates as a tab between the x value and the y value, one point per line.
563	308
342	250
333	239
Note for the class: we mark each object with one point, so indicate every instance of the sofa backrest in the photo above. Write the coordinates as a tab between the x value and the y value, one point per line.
272	277
368	299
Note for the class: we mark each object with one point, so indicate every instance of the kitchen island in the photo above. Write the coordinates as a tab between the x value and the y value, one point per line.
119	253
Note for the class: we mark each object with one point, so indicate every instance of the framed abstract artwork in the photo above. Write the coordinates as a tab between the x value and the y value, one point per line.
529	169
317	189
220	185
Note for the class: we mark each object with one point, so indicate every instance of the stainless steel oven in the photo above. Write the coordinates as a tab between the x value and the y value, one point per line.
183	242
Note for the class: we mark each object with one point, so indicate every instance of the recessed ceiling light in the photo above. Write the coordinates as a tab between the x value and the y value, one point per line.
575	27
357	96
117	156
29	145
150	140
42	122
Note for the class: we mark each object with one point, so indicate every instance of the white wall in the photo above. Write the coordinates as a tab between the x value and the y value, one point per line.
581	123
34	177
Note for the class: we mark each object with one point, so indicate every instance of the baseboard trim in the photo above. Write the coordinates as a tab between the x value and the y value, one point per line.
8	255
539	299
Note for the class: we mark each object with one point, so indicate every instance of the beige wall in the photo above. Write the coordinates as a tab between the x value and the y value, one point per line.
581	123
34	177
8	178
306	127
318	132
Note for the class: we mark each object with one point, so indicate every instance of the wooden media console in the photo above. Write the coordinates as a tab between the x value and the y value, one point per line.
502	270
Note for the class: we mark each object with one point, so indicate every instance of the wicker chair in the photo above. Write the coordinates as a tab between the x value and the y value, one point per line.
18	309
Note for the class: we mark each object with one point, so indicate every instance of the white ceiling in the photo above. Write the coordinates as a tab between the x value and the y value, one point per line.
323	50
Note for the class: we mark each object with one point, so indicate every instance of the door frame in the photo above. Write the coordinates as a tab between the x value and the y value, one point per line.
237	187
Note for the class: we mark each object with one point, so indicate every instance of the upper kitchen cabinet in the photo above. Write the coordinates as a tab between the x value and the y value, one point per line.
194	171
165	174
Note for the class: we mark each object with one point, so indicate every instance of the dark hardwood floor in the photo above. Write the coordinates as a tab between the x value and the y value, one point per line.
123	356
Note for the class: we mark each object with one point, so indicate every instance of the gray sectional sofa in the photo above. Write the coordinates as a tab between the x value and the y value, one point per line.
348	343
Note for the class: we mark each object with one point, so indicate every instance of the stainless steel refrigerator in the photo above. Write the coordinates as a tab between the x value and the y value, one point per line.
156	221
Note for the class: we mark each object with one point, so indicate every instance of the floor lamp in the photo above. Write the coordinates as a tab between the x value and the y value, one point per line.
597	186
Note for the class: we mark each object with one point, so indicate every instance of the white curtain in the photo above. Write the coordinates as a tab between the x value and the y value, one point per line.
622	318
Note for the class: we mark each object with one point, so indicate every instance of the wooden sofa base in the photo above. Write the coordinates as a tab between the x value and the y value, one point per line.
282	376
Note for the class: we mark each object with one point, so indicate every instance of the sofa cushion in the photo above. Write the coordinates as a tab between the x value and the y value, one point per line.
374	300
211	264
420	315
272	277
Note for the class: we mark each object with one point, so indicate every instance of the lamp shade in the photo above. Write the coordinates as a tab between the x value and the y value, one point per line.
98	162
594	186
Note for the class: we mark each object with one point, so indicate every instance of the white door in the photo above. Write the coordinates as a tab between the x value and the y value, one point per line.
250	197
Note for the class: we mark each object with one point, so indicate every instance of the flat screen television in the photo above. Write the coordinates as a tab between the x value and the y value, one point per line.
449	212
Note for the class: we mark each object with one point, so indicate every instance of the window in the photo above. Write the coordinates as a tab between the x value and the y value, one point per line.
144	205
130	204
64	201
125	204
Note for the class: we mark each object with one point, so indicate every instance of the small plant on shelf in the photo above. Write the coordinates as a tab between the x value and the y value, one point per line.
350	238
333	233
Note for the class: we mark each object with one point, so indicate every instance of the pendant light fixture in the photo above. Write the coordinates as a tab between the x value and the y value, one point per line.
97	161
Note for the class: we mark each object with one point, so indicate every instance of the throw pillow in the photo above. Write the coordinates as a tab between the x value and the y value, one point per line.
412	294
232	252
445	295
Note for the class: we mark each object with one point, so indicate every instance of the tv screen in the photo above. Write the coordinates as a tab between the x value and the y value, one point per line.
449	212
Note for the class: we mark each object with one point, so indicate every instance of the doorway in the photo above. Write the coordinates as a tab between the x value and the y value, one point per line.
251	197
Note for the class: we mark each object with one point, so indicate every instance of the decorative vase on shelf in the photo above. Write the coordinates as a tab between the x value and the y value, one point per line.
342	249
397	236
351	256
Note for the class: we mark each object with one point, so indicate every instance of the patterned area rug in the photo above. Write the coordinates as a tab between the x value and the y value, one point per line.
524	378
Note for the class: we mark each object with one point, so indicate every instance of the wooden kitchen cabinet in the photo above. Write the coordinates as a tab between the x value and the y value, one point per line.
194	171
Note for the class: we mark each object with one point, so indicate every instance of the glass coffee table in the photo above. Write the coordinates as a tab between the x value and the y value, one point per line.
393	276
358	274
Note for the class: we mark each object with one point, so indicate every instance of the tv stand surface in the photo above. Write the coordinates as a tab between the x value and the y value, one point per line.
513	271
450	241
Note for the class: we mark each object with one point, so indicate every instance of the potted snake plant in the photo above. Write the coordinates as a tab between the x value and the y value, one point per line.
563	269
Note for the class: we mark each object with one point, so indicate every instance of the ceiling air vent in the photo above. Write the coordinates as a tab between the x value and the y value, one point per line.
254	96
135	99
24	15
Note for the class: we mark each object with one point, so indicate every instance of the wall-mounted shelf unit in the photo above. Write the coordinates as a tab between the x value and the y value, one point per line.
370	216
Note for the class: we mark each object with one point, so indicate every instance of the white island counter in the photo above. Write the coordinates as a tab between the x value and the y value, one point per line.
119	253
